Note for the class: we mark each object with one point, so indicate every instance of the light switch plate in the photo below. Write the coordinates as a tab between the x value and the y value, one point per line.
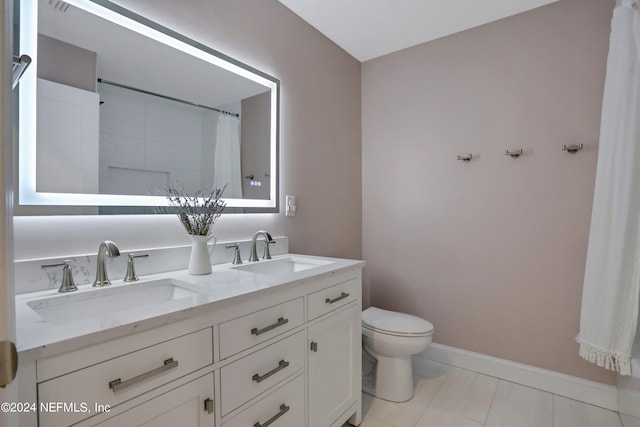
290	202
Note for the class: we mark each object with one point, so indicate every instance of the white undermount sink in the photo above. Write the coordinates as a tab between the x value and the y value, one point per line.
127	300
280	266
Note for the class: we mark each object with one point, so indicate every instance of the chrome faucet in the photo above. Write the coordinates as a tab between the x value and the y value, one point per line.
109	248
268	240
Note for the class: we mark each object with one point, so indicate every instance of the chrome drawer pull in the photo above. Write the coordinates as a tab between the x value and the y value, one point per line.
343	295
208	406
281	365
281	321
283	410
117	384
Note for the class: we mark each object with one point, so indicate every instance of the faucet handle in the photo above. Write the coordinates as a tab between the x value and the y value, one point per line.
267	252
131	275
67	285
237	259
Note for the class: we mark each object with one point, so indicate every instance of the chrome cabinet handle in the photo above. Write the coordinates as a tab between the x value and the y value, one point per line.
117	384
281	365
208	406
281	321
343	295
283	410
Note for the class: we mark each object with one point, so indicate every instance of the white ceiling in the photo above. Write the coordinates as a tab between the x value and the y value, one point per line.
371	28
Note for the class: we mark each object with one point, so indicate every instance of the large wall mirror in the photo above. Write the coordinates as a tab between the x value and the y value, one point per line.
115	109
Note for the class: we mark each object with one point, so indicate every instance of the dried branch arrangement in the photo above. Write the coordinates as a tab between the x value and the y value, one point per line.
197	212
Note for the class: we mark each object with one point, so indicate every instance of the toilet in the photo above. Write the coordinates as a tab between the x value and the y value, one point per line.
392	338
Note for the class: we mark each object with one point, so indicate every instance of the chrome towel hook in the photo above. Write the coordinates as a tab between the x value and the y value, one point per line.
465	157
513	153
20	64
573	148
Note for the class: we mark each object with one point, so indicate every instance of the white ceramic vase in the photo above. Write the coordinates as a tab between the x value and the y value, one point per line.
200	259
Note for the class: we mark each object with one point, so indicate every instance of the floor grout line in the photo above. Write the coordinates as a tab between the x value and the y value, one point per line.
493	400
436	380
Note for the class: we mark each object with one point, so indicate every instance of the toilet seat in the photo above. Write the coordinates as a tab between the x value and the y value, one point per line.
393	323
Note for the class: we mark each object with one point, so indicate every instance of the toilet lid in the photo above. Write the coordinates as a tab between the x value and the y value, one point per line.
393	322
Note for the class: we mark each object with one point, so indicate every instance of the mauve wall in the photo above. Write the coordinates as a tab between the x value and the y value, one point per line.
320	139
492	252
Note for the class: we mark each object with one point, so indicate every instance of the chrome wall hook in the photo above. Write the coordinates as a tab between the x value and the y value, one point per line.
573	148
513	153
465	157
20	65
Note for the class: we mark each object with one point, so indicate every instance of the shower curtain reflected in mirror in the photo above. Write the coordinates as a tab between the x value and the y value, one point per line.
227	162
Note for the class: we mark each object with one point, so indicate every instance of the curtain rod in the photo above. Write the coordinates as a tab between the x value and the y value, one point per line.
107	82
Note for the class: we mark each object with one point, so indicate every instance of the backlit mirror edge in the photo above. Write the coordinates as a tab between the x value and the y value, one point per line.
29	201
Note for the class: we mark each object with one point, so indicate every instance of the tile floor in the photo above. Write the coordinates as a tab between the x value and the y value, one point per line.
446	396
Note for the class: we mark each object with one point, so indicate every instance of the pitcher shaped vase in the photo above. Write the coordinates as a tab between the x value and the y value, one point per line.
200	259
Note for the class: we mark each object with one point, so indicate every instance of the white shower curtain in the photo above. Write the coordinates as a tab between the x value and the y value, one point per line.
612	275
227	163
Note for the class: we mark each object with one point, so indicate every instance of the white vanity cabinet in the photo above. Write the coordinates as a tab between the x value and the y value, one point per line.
286	357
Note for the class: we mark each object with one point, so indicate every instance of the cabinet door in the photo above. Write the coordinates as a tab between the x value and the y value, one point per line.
183	406
334	355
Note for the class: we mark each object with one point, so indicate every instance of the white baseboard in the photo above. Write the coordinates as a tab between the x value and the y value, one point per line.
628	403
591	392
629	393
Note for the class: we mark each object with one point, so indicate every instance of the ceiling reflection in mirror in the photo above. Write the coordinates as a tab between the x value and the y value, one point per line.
125	108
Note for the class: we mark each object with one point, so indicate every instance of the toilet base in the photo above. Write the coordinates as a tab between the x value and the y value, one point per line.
394	379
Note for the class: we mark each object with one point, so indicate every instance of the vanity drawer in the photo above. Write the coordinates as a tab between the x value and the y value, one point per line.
328	299
138	372
244	379
182	406
246	331
285	403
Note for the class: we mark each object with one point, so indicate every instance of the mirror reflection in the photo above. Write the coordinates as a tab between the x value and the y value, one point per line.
120	113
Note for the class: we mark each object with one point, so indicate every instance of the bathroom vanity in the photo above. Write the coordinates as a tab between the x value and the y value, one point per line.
275	342
269	343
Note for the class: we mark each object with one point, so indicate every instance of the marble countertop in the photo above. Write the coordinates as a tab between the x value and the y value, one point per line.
97	321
